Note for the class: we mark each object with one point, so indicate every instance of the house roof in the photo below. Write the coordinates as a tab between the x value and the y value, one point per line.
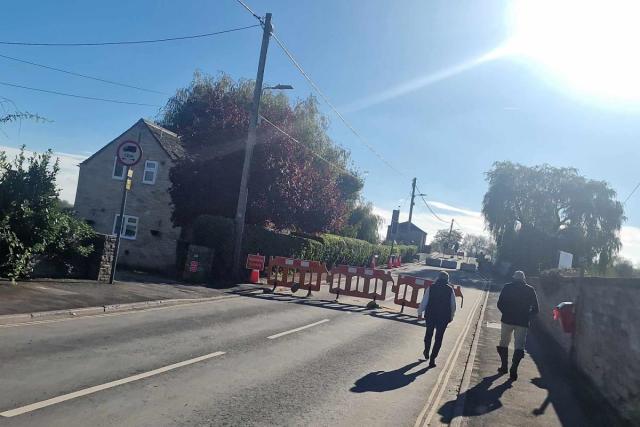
169	141
415	227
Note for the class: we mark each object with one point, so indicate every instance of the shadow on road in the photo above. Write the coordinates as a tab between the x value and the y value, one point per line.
381	381
479	400
332	305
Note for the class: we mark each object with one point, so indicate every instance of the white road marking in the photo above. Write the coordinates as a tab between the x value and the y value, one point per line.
297	329
97	388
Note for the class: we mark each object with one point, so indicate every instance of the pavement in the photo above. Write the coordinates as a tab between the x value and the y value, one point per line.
46	295
269	359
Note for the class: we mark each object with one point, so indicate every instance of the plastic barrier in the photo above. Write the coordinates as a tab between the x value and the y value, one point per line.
409	286
359	282
295	274
449	263
433	262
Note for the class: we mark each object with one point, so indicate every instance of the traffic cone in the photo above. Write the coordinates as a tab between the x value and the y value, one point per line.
254	277
389	264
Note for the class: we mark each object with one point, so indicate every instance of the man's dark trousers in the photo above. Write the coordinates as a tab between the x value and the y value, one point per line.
439	328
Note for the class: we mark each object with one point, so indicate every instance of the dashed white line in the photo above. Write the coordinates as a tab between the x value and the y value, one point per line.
297	329
59	399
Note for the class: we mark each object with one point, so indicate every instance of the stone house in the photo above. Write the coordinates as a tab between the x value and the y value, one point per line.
148	239
407	233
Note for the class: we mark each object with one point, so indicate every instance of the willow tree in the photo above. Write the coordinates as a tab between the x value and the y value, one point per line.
533	212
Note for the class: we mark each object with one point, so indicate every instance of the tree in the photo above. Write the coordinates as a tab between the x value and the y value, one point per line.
31	220
363	224
533	212
303	185
444	241
474	244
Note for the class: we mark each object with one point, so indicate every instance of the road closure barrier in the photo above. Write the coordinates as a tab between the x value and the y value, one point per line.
295	274
360	282
409	291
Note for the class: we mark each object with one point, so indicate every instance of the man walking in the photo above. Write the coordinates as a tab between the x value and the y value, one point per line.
438	306
518	303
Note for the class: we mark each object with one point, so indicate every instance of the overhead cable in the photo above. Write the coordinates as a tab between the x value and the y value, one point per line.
125	42
48	67
91	98
339	168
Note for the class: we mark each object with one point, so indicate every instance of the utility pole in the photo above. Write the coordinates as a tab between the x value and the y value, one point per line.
248	153
413	196
449	237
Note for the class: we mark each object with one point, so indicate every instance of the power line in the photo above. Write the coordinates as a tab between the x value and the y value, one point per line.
81	75
631	194
91	98
243	4
339	168
125	42
429	206
330	104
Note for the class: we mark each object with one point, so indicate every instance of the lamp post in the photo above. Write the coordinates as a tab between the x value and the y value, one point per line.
251	141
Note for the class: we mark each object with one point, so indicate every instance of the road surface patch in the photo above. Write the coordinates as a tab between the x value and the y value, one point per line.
63	398
291	331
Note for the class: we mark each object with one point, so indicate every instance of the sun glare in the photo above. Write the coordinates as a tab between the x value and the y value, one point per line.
592	45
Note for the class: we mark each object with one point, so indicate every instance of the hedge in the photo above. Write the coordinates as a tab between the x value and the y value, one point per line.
217	233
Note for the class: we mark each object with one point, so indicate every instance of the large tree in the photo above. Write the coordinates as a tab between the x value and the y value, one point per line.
363	223
445	240
533	212
301	181
475	244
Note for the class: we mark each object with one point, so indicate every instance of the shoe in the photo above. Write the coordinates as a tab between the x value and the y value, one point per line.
518	355
432	362
504	358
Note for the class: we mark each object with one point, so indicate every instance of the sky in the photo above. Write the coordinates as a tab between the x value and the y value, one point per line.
432	86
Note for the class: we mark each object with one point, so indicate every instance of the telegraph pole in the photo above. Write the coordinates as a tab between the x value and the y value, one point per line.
449	237
248	153
413	196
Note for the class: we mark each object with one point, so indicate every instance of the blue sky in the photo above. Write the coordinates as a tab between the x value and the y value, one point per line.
406	74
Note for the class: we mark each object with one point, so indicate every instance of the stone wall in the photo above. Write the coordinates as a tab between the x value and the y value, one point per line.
100	261
606	344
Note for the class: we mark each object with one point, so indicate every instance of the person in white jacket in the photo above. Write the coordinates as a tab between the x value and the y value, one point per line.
438	307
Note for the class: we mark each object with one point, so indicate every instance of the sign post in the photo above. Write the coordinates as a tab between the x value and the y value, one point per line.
255	263
129	154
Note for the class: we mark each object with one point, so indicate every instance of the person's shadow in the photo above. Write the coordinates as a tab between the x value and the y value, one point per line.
479	400
381	381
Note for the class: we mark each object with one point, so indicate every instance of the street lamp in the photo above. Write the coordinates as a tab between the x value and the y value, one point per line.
281	87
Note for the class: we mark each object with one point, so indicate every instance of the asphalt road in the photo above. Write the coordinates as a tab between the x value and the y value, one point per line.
247	360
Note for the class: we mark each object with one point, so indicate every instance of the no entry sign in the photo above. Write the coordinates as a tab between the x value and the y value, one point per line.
129	153
255	262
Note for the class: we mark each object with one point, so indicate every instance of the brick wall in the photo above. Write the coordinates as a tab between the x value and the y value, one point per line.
606	345
98	201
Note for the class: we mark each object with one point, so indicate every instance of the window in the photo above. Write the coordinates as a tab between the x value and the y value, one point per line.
130	229
150	172
118	169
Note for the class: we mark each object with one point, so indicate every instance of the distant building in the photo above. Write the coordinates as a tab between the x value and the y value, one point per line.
406	233
148	239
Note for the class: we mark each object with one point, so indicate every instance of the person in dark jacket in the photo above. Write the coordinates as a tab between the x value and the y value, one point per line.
438	306
518	303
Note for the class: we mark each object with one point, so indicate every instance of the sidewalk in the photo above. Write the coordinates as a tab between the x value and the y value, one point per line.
49	294
543	395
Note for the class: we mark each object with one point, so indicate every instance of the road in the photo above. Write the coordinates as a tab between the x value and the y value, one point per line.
246	360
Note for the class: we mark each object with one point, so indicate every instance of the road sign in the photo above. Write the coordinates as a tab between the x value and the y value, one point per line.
129	153
193	267
255	262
